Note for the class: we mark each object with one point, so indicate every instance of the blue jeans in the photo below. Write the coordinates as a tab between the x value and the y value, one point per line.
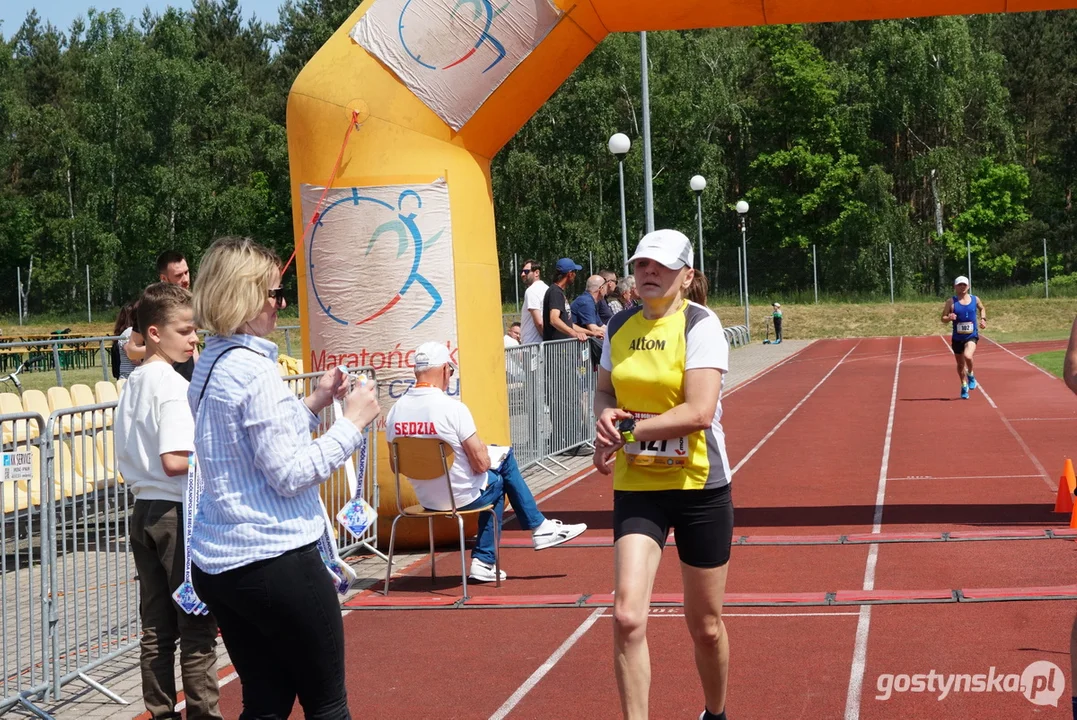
506	480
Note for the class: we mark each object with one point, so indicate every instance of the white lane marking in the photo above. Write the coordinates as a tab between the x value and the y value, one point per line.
1024	360
962	477
1013	431
860	648
540	673
655	614
789	414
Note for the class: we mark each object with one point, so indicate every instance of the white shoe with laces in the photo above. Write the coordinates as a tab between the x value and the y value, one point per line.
483	572
555	532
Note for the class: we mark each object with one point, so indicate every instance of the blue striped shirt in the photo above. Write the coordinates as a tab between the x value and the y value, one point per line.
260	466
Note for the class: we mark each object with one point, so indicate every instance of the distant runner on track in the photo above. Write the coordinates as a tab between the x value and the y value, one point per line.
961	310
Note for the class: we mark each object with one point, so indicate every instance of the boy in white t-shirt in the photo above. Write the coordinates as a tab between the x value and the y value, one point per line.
426	411
154	439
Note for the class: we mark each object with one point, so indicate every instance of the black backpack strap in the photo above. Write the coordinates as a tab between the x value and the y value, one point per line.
225	352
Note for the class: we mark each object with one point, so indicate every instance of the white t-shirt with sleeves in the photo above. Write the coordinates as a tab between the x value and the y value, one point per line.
153	418
533	296
428	412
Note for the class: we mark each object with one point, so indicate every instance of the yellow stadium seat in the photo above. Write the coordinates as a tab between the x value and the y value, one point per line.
89	461
68	480
119	385
82	395
106	445
15	431
35	484
60	399
106	391
35	401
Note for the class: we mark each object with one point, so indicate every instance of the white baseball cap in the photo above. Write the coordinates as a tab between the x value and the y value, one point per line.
962	280
667	247
431	355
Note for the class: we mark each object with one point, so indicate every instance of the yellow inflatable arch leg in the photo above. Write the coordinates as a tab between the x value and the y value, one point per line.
402	250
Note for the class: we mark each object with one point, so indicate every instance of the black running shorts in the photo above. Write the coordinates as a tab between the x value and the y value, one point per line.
701	519
958	344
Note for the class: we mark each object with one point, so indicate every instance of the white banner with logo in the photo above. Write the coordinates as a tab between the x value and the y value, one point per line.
380	280
453	54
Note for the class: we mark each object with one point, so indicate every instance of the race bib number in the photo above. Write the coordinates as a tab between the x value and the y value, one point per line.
965	328
660	453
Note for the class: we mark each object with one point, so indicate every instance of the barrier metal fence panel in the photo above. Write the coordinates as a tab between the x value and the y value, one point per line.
93	587
335	491
64	352
528	419
23	566
570	378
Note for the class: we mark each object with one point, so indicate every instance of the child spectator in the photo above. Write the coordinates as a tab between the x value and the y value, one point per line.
154	440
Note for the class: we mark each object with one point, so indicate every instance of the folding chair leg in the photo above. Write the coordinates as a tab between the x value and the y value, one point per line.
497	549
430	528
389	566
463	556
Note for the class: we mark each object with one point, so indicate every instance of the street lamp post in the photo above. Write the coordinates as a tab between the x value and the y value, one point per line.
619	145
698	183
742	210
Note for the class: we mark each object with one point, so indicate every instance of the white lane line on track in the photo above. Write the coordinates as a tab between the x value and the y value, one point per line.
654	614
789	414
1013	431
1024	360
962	477
543	669
860	648
220	683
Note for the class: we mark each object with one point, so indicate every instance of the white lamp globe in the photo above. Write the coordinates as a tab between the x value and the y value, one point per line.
698	183
620	144
742	207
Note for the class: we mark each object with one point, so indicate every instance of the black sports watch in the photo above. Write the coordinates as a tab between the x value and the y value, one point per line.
627	427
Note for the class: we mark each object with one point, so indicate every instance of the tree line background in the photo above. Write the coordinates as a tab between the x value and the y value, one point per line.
124	136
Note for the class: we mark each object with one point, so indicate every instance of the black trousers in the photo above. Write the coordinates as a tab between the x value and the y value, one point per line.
280	620
777	328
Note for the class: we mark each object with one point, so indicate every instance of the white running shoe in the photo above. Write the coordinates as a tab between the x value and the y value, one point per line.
555	532
483	572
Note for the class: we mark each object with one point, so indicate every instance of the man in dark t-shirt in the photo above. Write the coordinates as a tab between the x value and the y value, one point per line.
556	312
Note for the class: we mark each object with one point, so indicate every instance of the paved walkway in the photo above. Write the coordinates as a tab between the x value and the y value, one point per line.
80	702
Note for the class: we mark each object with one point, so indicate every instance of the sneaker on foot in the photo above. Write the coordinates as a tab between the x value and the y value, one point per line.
483	572
555	532
964	392
972	382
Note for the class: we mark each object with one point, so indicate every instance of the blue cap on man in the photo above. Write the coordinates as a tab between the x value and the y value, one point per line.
566	265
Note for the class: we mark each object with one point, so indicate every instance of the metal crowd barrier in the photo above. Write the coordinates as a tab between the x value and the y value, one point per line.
551	389
335	491
93	586
70	588
737	335
23	572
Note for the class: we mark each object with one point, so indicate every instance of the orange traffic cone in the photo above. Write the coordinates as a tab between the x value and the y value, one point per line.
1067	485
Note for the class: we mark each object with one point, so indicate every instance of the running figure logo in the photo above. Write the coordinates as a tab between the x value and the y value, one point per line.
482	14
404	229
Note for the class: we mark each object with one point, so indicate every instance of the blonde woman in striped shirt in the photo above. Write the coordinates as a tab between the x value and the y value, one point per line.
254	557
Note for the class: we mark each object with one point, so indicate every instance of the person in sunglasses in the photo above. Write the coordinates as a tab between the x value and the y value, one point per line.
254	545
531	315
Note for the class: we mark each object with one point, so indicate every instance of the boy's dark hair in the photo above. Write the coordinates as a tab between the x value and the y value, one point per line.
158	304
167	258
515	324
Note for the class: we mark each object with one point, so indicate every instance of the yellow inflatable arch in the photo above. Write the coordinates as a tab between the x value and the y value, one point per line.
391	129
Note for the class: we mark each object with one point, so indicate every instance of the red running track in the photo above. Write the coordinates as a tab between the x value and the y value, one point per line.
841	439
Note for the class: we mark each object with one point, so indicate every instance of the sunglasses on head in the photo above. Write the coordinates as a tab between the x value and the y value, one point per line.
277	294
